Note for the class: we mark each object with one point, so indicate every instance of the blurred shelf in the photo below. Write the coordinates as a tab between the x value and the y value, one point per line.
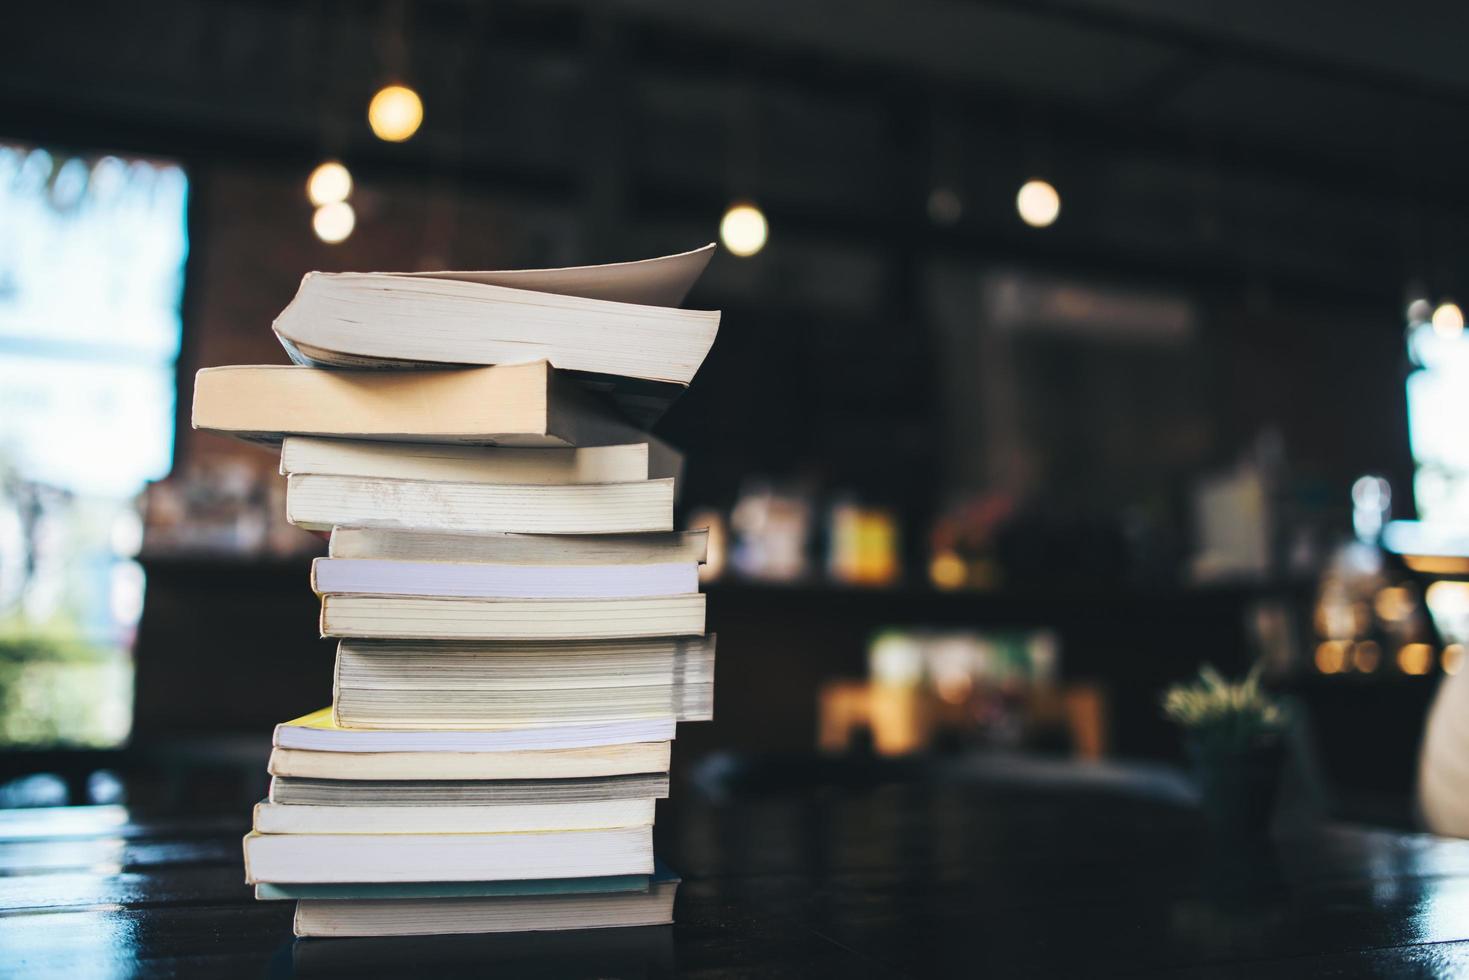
1061	594
285	568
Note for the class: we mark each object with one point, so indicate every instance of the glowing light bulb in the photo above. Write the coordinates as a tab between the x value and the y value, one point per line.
395	113
329	183
743	230
1448	321
1038	203
334	222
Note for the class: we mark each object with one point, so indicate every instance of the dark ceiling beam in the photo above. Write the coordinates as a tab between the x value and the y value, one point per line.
549	30
1216	36
1004	112
1164	85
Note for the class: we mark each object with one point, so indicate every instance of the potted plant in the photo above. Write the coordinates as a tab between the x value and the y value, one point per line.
1235	738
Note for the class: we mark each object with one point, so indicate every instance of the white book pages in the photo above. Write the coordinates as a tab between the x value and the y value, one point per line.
373	577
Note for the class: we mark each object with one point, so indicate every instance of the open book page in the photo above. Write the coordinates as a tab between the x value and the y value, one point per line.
663	281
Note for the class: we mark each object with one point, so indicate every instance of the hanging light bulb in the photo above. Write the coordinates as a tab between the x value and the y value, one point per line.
1448	320
329	183
334	222
1038	203
395	113
743	229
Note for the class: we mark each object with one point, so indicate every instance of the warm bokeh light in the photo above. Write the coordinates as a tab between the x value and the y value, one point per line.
329	183
954	688
1415	658
743	230
334	222
947	570
1038	203
1394	603
1453	658
1366	656
1448	321
1331	657
395	113
1438	564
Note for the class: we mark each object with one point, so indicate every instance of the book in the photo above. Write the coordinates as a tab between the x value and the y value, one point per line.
471	579
319	732
465	792
386	685
266	892
520	627
527	405
391	544
279	818
598	760
662	281
440	708
439	618
309	858
525	666
579	319
445	916
318	503
478	464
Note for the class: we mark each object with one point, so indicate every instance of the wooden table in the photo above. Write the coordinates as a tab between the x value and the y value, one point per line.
1031	871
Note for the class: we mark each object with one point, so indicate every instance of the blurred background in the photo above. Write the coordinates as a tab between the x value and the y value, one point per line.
1067	346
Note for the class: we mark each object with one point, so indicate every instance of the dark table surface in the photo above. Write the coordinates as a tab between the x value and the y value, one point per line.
1020	869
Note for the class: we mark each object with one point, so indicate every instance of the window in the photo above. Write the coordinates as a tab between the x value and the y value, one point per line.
1438	405
92	253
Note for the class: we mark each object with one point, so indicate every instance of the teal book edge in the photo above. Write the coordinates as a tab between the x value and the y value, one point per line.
460	889
663	874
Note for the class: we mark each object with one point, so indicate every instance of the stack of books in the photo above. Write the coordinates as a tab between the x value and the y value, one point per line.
519	627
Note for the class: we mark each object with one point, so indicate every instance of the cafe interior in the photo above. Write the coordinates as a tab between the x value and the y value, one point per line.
1078	360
